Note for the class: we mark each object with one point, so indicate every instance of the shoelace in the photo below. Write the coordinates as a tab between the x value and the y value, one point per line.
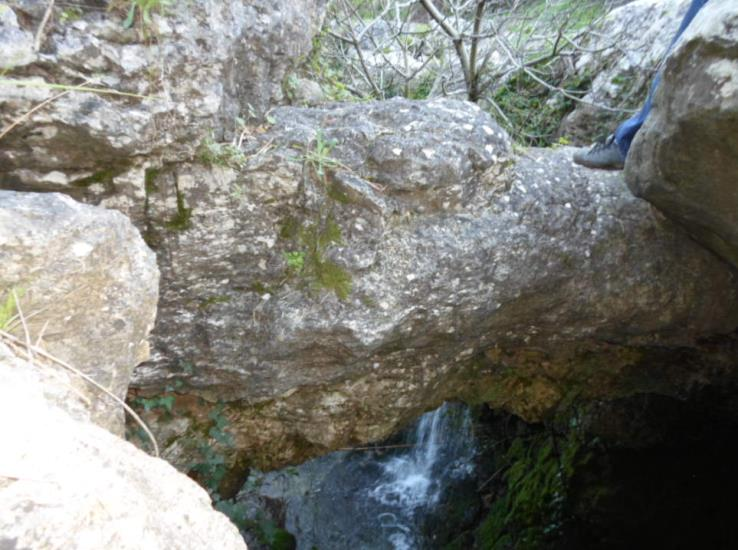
603	144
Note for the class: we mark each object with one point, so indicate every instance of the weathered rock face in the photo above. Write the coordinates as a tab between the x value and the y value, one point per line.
332	309
344	269
67	483
685	159
87	284
186	84
623	61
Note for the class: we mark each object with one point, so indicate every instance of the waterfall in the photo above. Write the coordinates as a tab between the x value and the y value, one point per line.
379	500
440	449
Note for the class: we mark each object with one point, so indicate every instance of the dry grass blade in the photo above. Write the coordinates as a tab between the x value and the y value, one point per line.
42	27
28	113
25	326
73	88
30	349
65	90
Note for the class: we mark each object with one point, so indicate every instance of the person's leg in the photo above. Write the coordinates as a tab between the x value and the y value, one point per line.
611	154
627	130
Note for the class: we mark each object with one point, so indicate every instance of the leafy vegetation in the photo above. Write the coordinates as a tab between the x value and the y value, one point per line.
318	158
308	260
328	74
141	10
532	112
310	263
214	153
182	219
533	509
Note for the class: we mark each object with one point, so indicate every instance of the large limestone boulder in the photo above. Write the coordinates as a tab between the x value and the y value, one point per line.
685	158
621	60
67	483
166	84
87	284
346	278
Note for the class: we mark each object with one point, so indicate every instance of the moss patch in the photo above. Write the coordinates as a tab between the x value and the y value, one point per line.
309	262
213	300
103	177
181	221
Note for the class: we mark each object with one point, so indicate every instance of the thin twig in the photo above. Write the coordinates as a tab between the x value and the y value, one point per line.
41	334
25	326
27	114
382	448
42	26
498	472
73	88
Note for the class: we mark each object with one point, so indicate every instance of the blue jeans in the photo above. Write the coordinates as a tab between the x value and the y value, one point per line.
627	130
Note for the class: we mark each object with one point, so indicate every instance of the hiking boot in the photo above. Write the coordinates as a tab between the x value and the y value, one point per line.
605	155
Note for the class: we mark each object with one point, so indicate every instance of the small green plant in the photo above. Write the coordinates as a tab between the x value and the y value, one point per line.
310	262
143	9
295	260
165	402
70	15
289	86
238	192
319	158
9	308
214	153
269	533
211	464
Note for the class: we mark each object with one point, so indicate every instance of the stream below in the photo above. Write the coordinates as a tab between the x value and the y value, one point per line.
390	497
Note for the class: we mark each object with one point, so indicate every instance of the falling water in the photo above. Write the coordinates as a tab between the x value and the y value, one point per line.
379	500
440	450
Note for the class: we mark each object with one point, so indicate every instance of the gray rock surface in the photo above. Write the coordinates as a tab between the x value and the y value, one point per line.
622	60
450	248
685	158
67	483
87	284
15	43
186	84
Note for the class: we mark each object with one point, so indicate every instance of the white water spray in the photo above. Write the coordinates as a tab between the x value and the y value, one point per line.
412	481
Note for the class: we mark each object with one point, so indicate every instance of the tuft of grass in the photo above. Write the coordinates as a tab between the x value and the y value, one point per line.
214	153
319	158
9	308
141	11
70	15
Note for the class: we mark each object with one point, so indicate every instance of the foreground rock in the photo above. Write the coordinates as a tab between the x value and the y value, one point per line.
87	288
685	159
87	284
67	483
328	310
